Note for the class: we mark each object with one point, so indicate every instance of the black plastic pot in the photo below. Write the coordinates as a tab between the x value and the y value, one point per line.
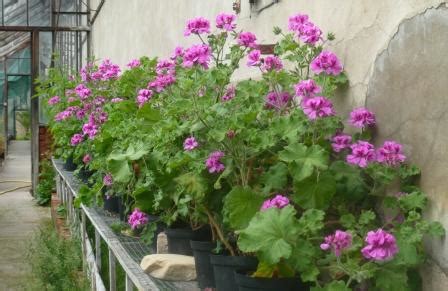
112	204
84	175
248	283
204	270
224	268
69	164
179	239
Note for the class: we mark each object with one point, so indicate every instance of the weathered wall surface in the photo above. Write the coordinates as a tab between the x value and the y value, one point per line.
408	91
393	53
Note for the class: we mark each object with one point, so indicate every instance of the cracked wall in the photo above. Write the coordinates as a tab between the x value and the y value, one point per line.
408	91
367	39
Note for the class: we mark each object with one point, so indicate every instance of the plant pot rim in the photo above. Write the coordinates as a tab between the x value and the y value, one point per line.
227	260
198	245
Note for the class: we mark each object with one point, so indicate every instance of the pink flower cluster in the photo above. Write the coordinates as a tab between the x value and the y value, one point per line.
271	62
133	63
247	39
137	219
391	154
340	142
178	52
276	100
307	89
105	71
326	62
253	58
86	159
144	95
190	143
226	21
197	55
83	92
361	118
229	94
381	246
108	180
279	201
197	25
54	100
317	107
213	162
304	29
76	139
337	242
362	154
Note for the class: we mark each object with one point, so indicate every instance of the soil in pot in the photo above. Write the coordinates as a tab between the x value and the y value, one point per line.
204	271
69	164
179	239
224	268
247	283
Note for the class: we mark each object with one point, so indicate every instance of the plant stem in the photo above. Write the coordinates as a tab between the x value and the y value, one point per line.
218	230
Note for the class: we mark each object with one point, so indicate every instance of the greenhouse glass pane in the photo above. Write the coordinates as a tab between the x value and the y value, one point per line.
39	12
15	12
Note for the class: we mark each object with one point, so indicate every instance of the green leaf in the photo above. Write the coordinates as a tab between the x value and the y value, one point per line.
272	234
333	286
303	260
436	229
315	193
275	178
391	279
120	170
311	222
366	217
144	199
348	220
149	114
193	184
350	183
411	201
304	160
240	205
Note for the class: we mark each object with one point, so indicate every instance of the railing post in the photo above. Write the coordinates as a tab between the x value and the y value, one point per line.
129	284
98	250
83	238
112	273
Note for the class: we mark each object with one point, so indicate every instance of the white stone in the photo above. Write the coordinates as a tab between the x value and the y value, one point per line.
169	267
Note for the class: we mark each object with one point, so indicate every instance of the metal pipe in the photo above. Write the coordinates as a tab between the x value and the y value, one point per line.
97	11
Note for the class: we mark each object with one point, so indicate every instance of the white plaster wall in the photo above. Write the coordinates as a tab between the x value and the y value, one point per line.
127	29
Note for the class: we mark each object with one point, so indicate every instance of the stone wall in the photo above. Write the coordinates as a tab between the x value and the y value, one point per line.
393	53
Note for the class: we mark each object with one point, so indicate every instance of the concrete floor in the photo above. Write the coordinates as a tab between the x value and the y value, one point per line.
19	216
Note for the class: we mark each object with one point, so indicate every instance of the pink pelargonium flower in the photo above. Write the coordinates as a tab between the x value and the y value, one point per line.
309	33
197	25
108	180
137	219
381	246
165	67
190	143
213	162
307	89
82	91
361	117
337	242
161	82
326	62
391	154
272	63
178	52
144	95
229	94
71	99
317	107
362	154
116	100
90	129
226	21
340	142
63	115
86	159
253	58
107	70
296	22
133	63
276	100
279	201
197	55
247	39
54	100
76	139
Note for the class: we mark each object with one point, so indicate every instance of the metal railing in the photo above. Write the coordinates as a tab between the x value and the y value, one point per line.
118	250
